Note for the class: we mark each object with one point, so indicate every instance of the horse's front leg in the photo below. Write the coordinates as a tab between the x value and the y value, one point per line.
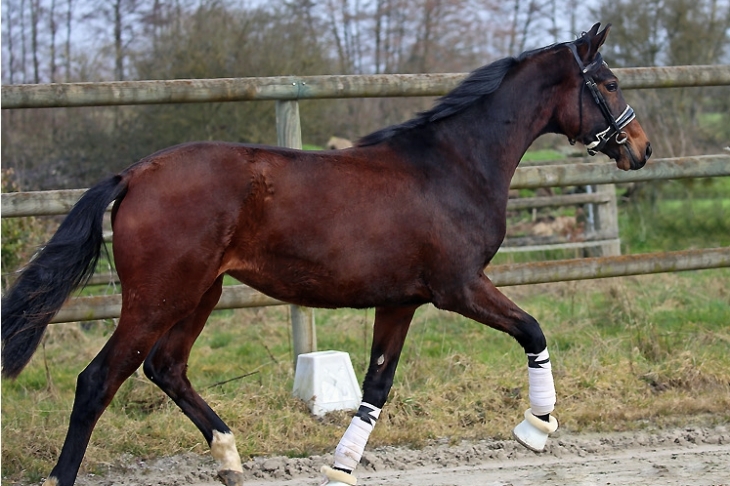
481	301
391	327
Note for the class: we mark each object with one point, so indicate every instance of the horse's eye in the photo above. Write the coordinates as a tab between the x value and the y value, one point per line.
612	86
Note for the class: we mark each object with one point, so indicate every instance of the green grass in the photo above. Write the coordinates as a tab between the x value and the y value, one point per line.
715	125
542	155
680	217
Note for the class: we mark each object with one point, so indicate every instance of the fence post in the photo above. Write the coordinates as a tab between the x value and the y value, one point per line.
289	134
607	221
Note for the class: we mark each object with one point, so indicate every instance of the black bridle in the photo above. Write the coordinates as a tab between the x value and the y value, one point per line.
615	125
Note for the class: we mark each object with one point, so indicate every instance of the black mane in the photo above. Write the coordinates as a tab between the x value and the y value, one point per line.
481	82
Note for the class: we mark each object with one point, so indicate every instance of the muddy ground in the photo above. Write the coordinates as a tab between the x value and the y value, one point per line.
690	456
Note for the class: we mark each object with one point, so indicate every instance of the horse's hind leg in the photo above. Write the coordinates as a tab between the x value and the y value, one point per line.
98	383
389	334
482	301
166	366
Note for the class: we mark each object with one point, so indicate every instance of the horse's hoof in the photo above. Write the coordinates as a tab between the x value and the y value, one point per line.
533	432
231	478
333	477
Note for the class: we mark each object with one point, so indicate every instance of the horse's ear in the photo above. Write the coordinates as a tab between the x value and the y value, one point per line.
593	31
599	38
592	41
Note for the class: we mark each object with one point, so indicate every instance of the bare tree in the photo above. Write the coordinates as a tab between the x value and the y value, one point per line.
334	24
117	19
379	13
515	20
52	29
23	53
9	21
35	15
67	45
431	13
554	29
118	43
391	32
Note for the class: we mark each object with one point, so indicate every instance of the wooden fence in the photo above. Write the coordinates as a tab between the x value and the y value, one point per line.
286	90
292	88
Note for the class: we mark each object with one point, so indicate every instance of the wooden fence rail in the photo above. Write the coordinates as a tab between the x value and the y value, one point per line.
15	204
307	87
240	296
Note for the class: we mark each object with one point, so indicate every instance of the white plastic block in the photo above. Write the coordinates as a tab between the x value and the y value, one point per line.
327	382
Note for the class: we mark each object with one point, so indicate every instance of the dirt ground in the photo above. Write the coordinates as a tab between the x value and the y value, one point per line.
698	456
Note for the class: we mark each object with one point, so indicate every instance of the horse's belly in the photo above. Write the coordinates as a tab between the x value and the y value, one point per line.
299	283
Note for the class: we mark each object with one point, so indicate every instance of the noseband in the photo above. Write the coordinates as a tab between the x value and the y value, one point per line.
615	125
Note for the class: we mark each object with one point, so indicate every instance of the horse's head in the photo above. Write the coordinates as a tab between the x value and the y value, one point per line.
597	114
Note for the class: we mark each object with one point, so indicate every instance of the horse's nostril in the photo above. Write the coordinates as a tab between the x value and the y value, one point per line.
648	150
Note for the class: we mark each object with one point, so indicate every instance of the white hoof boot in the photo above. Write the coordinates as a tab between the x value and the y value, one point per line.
335	477
533	432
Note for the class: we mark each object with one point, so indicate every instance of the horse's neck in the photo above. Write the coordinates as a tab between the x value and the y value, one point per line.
496	133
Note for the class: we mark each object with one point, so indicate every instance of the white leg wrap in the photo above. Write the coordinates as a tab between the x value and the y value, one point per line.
542	388
352	445
223	449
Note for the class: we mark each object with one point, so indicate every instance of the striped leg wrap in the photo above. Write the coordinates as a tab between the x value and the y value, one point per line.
542	388
352	445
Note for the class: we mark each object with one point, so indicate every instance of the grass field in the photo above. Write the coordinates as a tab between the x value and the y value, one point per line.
627	352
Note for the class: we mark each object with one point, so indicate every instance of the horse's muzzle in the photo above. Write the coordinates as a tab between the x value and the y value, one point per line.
639	162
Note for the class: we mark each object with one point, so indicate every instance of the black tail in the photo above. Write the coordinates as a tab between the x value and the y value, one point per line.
65	263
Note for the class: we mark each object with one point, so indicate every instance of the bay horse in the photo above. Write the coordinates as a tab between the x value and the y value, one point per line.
411	215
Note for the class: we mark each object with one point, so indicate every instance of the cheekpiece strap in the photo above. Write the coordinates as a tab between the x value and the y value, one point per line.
615	125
